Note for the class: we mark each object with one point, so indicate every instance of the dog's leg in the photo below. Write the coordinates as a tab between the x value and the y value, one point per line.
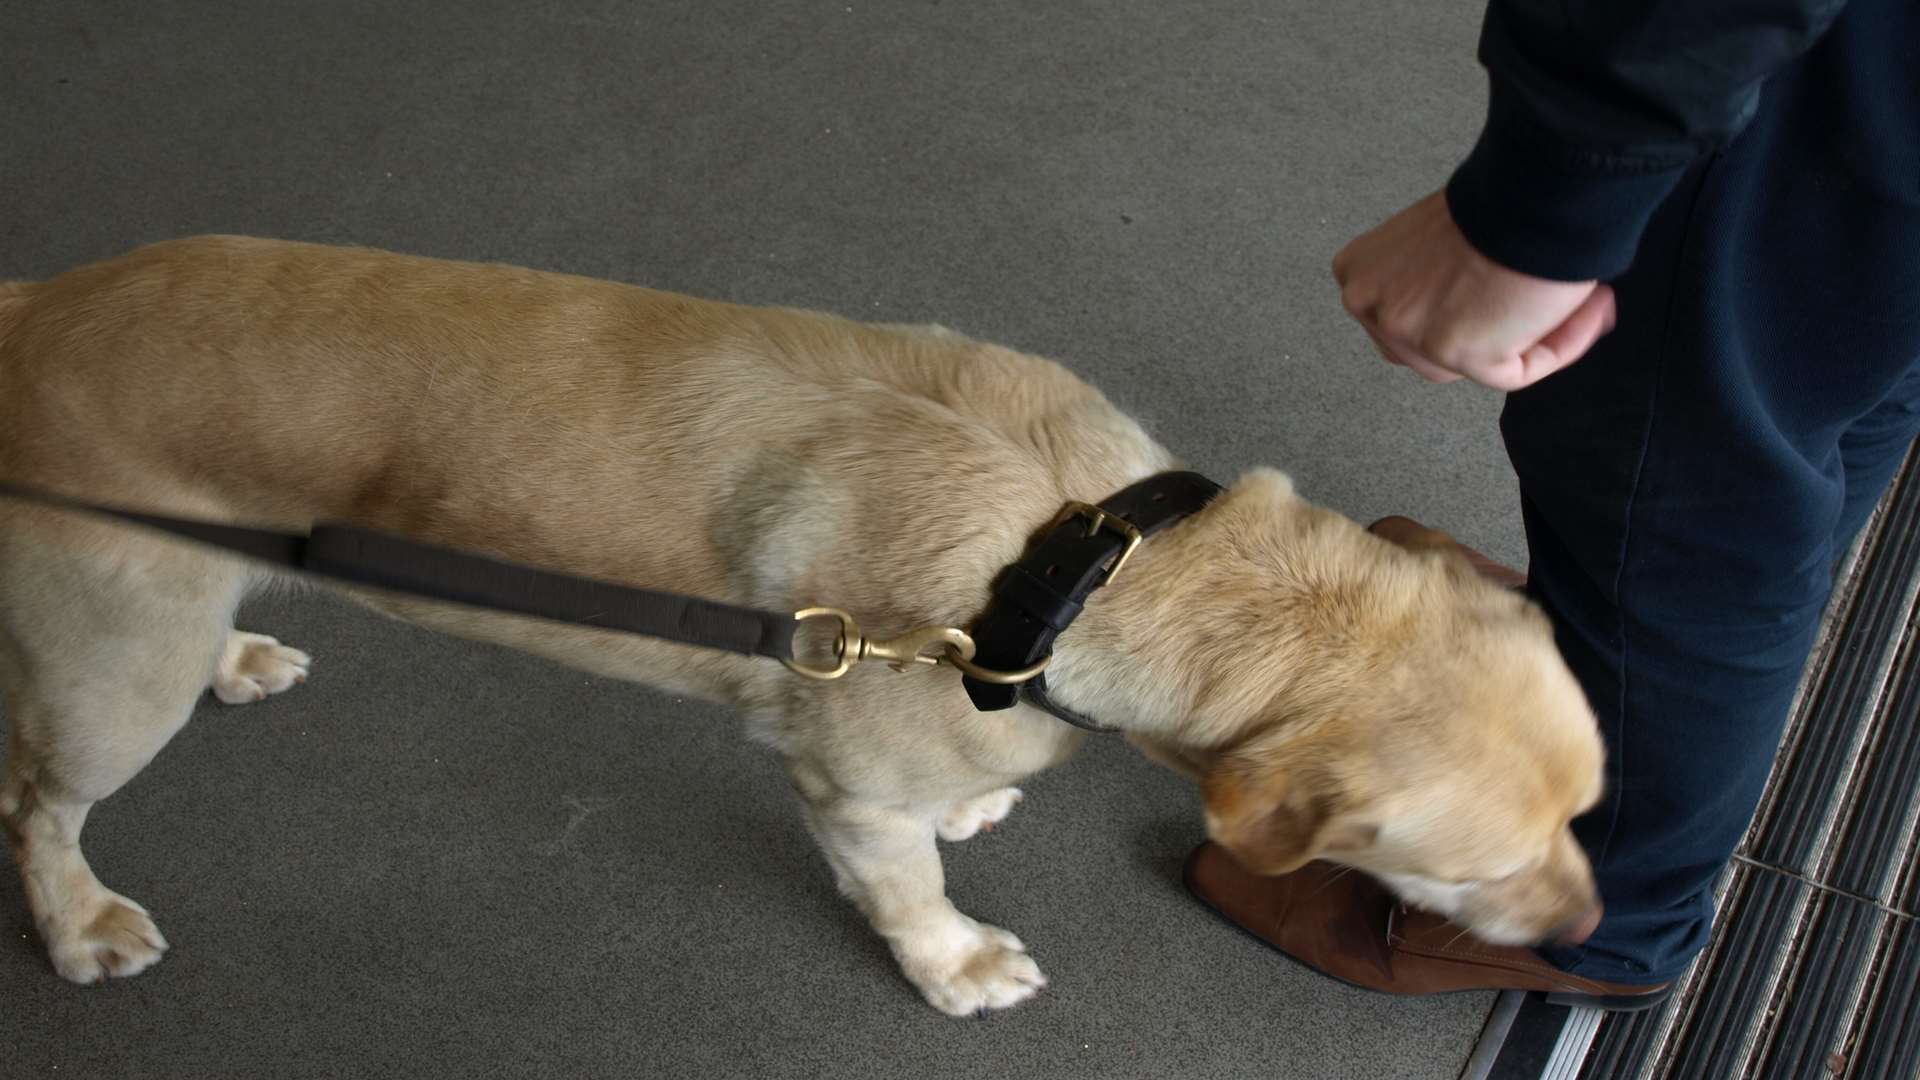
886	862
102	657
979	814
255	665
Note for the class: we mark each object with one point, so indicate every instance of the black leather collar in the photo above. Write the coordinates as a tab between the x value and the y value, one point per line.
1037	598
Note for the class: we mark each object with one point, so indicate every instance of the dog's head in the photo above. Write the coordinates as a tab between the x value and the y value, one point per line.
1428	731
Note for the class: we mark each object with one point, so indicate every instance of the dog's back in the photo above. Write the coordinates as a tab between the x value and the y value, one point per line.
13	302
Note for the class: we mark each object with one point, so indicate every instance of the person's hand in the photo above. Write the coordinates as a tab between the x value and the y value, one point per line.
1434	304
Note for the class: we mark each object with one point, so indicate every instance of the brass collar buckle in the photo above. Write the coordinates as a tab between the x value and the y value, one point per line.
1098	519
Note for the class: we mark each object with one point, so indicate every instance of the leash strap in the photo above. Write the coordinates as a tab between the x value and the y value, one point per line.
1034	600
1038	597
384	561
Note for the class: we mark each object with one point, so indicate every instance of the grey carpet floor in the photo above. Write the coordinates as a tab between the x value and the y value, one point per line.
439	859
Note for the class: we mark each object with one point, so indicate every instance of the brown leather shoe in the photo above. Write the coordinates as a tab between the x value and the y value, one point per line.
1343	924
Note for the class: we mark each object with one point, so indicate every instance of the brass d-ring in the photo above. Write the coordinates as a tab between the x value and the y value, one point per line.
1001	678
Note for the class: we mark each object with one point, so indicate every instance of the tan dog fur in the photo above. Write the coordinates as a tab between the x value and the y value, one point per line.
1336	695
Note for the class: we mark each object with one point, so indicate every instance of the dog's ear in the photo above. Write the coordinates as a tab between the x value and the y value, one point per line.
1464	561
1278	809
1410	534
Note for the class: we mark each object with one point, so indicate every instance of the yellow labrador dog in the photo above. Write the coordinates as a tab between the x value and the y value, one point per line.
1337	696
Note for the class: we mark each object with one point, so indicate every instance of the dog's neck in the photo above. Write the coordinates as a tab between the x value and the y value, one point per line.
1112	688
1155	654
1118	674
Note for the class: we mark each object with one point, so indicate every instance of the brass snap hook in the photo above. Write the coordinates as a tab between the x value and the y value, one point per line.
927	645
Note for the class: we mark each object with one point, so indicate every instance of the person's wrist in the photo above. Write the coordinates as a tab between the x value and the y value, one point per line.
1548	211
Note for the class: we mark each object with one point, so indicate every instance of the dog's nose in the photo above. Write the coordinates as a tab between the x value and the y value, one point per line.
1582	928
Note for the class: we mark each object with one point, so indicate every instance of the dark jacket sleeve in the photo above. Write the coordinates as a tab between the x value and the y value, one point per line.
1596	108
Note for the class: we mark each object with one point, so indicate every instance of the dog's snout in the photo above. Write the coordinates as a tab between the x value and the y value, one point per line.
1581	928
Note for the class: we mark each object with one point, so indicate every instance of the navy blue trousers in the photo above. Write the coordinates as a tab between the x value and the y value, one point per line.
1688	487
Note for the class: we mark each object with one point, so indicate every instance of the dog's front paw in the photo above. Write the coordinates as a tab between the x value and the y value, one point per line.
978	814
978	968
116	938
255	665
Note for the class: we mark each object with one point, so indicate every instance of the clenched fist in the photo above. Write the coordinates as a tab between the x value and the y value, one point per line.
1434	304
